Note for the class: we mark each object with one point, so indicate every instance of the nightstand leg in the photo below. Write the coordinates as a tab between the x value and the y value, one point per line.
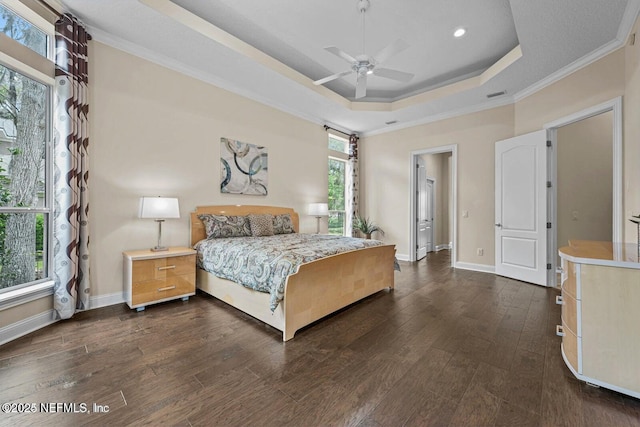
140	308
185	298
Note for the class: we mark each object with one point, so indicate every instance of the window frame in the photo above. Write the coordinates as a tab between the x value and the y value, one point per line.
29	63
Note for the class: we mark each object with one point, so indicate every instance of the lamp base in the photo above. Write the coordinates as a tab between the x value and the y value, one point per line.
159	247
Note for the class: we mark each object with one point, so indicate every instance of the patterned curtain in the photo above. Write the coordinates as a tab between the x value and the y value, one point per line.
71	169
353	183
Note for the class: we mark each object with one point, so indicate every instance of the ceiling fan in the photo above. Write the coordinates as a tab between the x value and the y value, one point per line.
364	64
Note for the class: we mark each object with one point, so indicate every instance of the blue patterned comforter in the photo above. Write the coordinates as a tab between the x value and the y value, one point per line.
263	263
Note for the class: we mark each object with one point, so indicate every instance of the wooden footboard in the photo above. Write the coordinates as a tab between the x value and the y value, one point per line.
324	286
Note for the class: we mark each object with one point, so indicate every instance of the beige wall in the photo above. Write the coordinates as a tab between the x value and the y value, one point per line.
585	179
592	85
386	167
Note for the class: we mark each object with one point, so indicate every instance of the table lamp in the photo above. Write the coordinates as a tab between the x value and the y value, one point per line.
159	208
318	210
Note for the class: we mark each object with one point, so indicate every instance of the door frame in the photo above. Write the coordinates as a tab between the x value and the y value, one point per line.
453	175
614	105
421	180
432	197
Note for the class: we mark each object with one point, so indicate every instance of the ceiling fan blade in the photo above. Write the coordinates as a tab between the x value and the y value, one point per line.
332	77
393	74
391	50
341	53
361	86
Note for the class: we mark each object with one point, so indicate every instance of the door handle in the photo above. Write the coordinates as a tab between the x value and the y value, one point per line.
498	225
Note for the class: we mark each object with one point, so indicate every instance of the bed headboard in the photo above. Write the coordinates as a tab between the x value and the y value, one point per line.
197	227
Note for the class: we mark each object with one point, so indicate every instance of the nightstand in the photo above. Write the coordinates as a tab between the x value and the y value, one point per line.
152	277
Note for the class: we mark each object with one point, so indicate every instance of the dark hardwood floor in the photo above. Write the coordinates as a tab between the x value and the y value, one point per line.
447	347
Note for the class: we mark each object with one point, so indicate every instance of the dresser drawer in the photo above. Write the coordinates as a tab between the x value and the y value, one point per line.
570	313
570	347
162	268
569	284
154	290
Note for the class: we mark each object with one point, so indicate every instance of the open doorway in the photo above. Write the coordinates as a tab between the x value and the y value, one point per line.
527	192
585	180
597	214
433	224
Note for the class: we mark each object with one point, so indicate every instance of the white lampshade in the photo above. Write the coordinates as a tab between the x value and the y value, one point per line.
159	207
318	209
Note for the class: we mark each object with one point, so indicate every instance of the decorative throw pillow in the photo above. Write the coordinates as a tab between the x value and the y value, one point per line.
282	224
218	226
261	225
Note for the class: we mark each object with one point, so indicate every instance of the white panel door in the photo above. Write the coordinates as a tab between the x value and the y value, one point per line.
521	207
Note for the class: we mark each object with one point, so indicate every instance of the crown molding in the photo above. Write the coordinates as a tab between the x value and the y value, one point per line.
576	65
166	62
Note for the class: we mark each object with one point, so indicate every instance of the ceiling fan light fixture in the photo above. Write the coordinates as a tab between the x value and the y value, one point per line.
364	65
363	5
459	32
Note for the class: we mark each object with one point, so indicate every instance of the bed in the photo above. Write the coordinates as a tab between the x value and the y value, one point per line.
317	289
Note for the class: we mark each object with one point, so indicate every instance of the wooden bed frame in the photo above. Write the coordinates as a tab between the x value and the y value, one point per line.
318	289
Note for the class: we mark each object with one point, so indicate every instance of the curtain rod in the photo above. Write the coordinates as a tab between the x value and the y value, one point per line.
337	130
49	8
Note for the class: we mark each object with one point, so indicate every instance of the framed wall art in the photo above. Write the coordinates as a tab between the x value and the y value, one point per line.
244	168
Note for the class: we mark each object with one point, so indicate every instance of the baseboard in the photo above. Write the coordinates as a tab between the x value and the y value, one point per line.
106	300
26	326
33	323
476	267
402	257
446	246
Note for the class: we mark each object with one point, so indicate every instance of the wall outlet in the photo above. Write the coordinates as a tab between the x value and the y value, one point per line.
480	252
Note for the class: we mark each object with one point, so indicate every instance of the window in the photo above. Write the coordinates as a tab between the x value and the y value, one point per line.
22	31
25	132
338	165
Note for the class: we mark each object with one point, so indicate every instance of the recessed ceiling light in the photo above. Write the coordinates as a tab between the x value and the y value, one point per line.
459	32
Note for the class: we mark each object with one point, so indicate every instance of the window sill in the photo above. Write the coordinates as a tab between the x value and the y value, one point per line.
26	294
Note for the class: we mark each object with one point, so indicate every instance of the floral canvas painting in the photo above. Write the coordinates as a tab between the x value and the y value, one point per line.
243	168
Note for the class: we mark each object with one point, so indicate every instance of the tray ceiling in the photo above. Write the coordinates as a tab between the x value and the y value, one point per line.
273	51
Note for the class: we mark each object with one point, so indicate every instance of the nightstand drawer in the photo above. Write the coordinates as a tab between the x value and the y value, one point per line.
154	290
162	268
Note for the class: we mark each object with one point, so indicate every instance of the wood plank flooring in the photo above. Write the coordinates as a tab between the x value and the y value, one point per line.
446	347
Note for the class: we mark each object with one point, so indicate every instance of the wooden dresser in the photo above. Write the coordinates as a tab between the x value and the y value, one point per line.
600	301
151	277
